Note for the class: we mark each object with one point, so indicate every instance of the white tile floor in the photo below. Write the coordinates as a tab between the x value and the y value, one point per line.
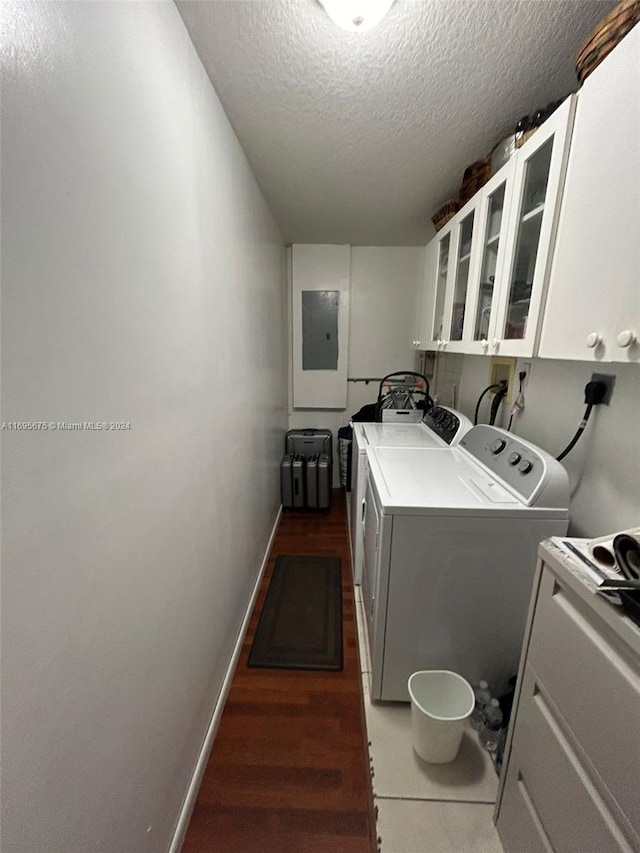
433	826
425	808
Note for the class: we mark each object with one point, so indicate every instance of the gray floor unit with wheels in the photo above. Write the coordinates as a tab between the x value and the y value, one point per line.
306	469
312	482
324	481
297	477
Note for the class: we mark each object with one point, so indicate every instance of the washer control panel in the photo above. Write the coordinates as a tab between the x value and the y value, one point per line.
526	469
443	422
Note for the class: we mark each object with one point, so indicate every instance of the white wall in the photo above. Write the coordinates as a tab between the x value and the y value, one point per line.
604	467
320	268
143	281
444	371
384	283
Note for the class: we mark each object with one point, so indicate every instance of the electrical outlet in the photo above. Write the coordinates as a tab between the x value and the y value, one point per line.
609	381
503	370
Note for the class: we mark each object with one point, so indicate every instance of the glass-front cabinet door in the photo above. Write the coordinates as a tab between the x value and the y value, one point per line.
464	253
489	272
463	263
436	279
422	325
540	167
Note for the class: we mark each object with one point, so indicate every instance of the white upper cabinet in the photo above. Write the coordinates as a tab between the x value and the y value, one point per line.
539	175
463	260
436	282
488	283
450	261
423	316
593	305
416	326
481	313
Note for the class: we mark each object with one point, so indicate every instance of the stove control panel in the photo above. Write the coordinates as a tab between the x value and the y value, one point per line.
533	474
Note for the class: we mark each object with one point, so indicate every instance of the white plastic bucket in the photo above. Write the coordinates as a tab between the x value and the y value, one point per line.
441	701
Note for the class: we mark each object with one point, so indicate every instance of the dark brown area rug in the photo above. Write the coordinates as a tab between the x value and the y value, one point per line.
300	625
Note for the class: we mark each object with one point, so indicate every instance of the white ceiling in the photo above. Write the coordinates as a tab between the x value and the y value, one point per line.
358	138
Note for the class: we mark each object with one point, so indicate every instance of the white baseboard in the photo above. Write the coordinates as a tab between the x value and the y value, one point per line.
203	758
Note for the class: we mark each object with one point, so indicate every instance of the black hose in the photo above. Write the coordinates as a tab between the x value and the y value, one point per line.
480	399
579	432
497	399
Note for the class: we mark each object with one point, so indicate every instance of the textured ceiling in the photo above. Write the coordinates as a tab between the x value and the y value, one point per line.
358	138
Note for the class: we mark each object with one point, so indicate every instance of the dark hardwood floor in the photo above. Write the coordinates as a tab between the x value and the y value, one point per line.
288	772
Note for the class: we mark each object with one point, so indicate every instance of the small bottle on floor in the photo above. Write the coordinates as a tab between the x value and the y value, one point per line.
483	697
492	722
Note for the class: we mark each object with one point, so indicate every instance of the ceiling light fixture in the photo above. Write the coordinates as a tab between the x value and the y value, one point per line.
356	16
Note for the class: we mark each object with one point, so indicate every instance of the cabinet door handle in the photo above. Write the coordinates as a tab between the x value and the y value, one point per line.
495	343
626	338
444	344
484	344
593	340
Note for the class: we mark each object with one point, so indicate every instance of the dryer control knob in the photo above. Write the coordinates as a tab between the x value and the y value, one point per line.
498	446
514	458
525	466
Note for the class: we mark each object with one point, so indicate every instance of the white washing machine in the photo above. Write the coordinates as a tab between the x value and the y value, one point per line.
450	542
440	428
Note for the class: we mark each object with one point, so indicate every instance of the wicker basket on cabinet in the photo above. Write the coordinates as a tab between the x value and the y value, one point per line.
475	177
446	212
609	32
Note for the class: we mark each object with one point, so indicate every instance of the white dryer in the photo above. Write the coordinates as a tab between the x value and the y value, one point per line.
450	541
440	428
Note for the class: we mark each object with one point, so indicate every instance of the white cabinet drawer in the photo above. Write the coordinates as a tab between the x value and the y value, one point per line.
593	679
519	826
555	779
